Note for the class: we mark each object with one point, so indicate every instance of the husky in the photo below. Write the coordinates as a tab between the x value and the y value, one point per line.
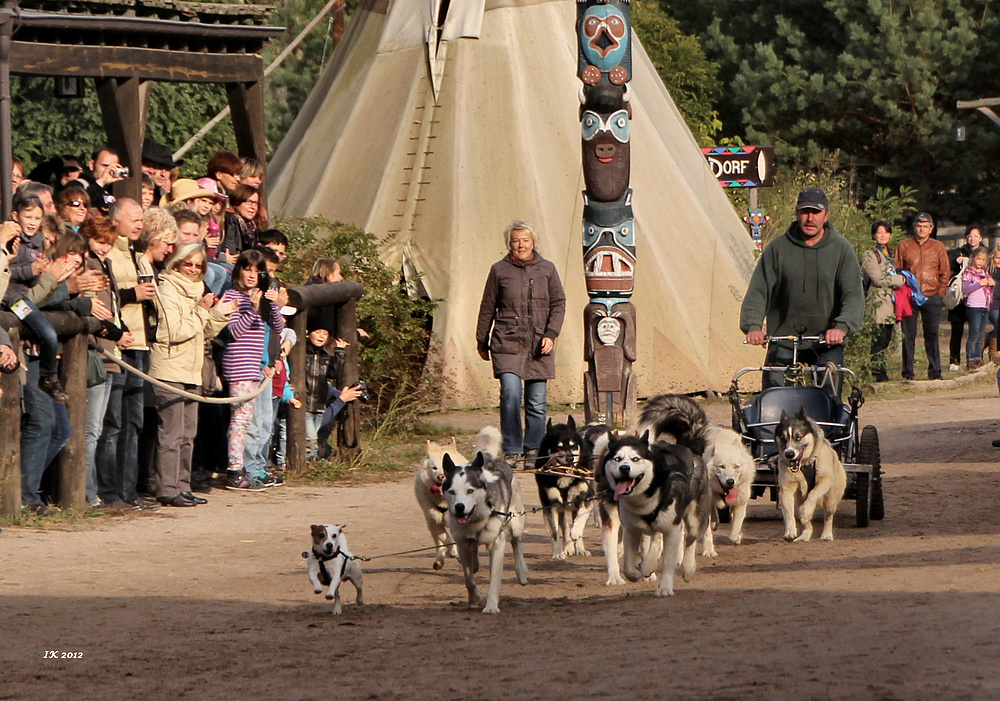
329	545
565	497
731	470
485	507
672	418
660	488
427	487
801	444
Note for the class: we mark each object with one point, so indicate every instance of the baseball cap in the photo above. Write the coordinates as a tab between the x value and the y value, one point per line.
212	186
812	198
923	217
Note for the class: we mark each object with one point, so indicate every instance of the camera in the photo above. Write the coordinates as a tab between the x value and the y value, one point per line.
364	397
120	172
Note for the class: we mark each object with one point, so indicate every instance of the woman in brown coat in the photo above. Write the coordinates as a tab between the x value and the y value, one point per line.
524	305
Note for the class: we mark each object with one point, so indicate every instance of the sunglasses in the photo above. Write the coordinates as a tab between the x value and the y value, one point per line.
76	203
192	264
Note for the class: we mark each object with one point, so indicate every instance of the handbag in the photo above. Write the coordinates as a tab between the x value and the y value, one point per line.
97	373
954	296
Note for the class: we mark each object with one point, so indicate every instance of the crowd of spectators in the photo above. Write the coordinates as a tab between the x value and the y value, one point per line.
185	287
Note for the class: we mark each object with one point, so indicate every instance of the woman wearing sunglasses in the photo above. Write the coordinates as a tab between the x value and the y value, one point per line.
188	315
72	205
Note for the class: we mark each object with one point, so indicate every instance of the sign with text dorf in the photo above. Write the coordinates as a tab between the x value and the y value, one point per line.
741	166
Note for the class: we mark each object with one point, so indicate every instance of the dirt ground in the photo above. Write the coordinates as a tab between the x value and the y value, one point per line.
213	602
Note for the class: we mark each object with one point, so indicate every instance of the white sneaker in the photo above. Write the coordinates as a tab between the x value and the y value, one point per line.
954	368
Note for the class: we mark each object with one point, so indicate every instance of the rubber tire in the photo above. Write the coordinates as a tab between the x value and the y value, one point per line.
870	454
863	500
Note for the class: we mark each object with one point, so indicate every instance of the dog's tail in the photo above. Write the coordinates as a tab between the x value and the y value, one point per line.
488	442
675	418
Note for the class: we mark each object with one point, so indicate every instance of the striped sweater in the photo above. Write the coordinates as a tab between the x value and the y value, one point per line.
244	353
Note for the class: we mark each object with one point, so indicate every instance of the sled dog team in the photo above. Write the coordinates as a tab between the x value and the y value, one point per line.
658	488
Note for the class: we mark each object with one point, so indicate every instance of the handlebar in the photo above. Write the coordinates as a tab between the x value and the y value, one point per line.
794	338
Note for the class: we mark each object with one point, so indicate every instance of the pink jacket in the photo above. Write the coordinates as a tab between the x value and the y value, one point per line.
977	295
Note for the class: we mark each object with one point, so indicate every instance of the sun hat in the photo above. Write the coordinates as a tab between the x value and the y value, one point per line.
212	186
188	189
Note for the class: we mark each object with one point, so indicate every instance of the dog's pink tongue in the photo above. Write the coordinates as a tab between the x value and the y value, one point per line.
731	496
435	489
462	519
622	487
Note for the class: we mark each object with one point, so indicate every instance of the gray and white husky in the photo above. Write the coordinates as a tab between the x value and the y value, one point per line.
660	488
485	507
801	444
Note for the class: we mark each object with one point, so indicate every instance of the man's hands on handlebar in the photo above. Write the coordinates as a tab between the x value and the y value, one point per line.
832	337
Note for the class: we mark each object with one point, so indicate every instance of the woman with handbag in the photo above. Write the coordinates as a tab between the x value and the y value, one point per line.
957	316
881	280
188	315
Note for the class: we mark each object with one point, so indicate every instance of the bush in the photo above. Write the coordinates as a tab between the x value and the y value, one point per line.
392	361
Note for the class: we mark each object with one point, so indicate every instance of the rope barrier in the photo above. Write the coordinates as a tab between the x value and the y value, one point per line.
265	383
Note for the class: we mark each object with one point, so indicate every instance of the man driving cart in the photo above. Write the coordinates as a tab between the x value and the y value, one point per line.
806	283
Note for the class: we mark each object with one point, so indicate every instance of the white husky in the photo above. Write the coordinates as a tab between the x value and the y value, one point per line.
485	507
731	471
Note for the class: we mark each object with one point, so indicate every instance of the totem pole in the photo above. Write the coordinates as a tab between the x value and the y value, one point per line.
604	28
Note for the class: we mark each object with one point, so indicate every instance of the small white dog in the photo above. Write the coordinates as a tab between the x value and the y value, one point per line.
731	470
330	545
427	488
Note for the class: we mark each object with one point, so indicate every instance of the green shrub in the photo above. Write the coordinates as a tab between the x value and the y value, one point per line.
393	360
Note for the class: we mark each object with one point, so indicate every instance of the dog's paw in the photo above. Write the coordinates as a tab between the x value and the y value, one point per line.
652	577
709	552
492	608
561	555
438	564
318	590
736	540
615	581
329	597
826	536
579	549
804	538
664	590
337	610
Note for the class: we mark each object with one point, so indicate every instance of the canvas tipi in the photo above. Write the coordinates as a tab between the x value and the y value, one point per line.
441	124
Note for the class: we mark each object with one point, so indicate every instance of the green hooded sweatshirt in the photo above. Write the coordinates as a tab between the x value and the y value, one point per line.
804	289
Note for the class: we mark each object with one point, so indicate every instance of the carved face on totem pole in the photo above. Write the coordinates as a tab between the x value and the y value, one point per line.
607	157
609	250
605	41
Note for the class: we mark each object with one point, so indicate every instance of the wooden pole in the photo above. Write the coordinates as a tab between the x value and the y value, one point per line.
122	113
10	438
73	458
246	100
348	430
295	453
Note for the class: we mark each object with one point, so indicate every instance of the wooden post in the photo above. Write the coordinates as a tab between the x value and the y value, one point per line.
295	449
73	458
348	429
10	438
123	116
246	102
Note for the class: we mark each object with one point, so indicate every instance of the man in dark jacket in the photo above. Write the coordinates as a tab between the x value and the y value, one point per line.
808	282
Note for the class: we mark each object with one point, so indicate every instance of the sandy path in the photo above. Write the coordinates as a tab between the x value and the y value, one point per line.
213	602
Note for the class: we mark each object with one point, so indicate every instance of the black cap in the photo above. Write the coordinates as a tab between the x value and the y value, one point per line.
923	217
159	154
812	198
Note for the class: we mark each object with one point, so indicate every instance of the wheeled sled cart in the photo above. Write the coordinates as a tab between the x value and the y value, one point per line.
756	416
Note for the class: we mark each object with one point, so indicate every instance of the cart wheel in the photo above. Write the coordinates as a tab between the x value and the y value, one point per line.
863	501
869	454
724	515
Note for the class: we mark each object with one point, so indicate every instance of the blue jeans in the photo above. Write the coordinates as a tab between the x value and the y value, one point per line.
977	332
118	450
97	406
314	420
258	441
534	395
44	432
48	341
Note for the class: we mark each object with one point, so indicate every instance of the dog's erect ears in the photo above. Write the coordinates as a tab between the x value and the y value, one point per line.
802	414
448	465
479	460
645	437
571	423
548	425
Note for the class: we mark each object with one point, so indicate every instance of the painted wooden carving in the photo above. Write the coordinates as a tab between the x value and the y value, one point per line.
604	29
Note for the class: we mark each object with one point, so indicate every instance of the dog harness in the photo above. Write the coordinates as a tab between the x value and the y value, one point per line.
324	574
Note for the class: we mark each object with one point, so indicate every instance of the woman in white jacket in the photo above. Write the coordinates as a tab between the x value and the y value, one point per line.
187	315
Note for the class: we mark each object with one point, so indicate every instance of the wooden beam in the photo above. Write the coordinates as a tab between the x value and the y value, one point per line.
10	439
73	458
29	58
122	114
976	104
246	102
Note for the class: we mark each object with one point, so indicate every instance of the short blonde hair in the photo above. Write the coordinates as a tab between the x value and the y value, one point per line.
158	224
520	225
185	252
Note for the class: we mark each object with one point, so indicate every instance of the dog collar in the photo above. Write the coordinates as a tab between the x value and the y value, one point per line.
323	558
442	509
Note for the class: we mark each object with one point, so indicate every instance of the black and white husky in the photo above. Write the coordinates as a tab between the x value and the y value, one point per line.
802	445
565	496
485	507
671	418
660	488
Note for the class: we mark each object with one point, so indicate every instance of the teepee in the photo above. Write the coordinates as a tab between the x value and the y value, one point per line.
440	122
